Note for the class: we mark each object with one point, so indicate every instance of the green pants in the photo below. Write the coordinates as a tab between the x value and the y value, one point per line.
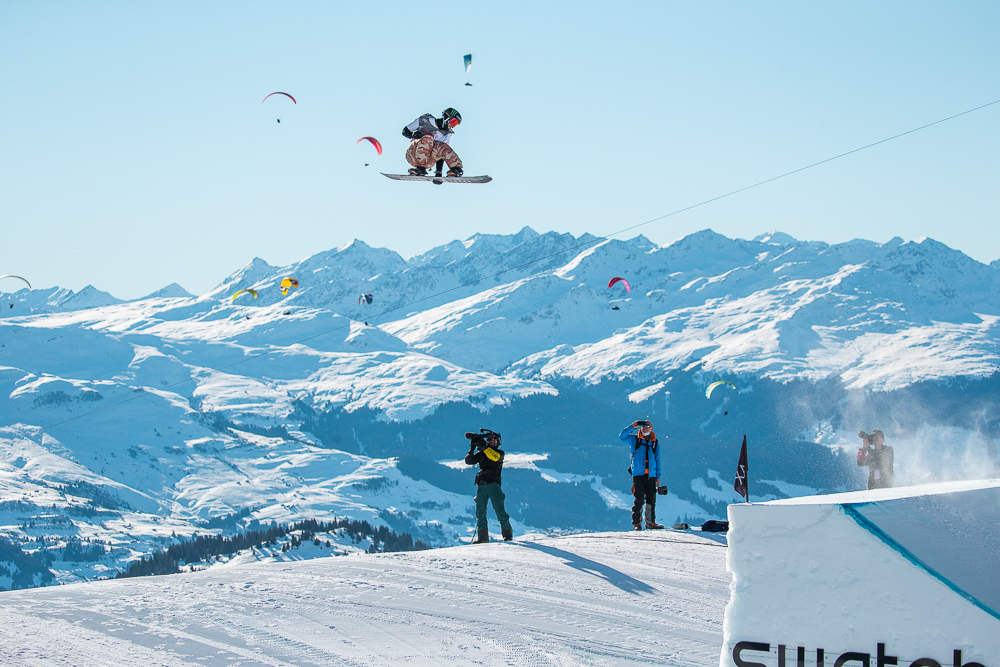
494	493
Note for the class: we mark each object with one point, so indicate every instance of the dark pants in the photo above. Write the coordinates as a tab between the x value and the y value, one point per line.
494	493
644	490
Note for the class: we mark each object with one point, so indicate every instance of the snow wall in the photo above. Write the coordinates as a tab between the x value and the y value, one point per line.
907	576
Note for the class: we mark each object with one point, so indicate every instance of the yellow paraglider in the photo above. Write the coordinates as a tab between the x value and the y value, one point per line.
710	388
287	283
247	291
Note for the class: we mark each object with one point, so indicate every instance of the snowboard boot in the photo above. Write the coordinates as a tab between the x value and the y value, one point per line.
455	171
438	168
508	535
652	525
418	171
637	526
483	537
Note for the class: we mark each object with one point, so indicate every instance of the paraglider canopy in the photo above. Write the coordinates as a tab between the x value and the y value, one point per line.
245	291
19	278
366	298
278	93
375	143
617	279
467	59
710	388
288	282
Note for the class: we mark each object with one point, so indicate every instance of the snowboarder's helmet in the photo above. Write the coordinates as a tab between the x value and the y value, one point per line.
451	117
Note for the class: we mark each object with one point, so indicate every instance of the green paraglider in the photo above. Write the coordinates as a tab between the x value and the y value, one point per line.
710	388
245	291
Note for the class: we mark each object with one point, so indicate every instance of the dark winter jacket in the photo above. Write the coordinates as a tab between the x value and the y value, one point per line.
490	462
879	462
645	453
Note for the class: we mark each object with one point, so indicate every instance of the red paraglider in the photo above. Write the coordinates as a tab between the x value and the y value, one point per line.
285	94
616	279
375	143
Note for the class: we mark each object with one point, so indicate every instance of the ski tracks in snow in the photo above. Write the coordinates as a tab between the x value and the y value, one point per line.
612	599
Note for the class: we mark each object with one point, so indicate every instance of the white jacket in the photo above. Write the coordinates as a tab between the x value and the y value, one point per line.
427	124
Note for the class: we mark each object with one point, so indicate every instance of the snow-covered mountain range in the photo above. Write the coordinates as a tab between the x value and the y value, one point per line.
133	424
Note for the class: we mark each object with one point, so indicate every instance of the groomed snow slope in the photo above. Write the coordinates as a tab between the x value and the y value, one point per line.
913	569
598	599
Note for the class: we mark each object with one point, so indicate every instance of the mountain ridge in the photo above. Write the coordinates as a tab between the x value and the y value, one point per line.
316	404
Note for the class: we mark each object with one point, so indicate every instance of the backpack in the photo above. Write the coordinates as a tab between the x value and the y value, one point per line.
713	526
654	443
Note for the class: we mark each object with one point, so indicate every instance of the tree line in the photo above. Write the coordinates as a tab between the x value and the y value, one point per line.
206	547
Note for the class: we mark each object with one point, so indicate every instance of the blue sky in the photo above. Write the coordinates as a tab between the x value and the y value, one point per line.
135	150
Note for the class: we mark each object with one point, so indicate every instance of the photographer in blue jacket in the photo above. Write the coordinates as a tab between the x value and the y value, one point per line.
645	470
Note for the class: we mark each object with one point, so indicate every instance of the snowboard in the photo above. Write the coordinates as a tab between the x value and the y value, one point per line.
438	180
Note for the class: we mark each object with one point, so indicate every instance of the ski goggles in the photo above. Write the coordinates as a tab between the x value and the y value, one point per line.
453	122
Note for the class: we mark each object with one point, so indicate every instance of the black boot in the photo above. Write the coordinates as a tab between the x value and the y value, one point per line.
418	171
455	171
483	538
508	535
439	167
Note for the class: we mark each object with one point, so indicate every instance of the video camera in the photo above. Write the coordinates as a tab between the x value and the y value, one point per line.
479	439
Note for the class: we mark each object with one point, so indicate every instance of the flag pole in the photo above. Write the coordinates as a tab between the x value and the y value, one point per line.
748	469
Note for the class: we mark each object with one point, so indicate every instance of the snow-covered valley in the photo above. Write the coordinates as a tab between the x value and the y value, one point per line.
129	426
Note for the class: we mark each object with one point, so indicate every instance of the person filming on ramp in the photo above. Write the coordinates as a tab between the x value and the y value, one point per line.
878	459
645	470
484	451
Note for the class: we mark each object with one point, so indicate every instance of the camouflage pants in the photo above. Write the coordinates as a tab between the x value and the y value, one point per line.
425	152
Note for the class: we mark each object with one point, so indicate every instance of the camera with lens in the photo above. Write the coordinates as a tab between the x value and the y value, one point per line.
479	440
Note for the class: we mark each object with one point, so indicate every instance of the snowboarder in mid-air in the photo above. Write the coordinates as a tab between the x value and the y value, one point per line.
429	138
484	451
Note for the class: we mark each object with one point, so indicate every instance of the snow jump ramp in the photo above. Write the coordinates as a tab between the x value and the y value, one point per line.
905	577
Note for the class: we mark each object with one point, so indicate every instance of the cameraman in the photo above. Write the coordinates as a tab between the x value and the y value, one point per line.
484	451
645	470
879	459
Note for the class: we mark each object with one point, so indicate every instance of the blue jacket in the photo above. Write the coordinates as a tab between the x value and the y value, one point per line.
641	451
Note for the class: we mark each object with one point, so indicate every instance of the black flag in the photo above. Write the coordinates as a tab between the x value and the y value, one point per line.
741	485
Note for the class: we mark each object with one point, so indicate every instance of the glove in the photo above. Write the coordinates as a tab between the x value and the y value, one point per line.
417	135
